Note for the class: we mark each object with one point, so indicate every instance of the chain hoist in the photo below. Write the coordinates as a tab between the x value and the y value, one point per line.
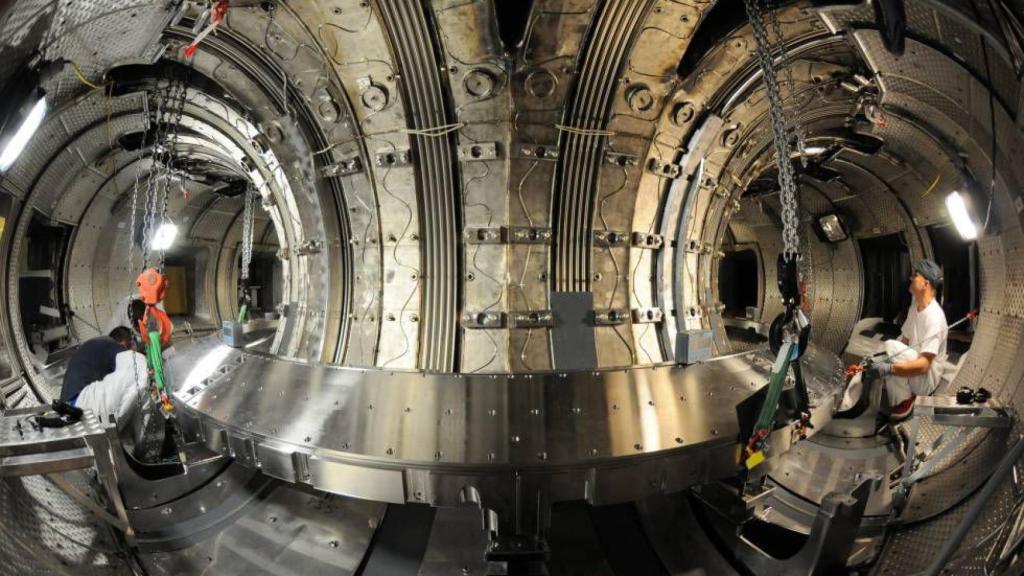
790	331
153	324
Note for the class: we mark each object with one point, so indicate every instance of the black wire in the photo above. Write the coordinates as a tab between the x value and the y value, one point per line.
992	120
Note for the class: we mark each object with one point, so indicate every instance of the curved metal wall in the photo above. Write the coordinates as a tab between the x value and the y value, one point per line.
402	128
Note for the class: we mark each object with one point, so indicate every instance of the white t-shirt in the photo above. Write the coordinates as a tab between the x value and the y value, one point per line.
925	332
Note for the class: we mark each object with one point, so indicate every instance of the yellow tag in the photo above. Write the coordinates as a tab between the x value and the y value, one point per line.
755	459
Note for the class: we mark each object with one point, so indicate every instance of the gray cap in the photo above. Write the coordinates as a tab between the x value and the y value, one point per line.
930	270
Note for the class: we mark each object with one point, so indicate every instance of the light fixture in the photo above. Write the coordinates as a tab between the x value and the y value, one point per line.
961	215
27	118
164	236
830	228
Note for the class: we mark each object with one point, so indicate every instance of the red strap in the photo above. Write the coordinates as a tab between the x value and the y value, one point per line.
220	10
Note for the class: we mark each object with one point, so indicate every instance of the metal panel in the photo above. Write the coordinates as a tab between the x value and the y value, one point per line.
289	530
581	143
572	338
596	432
425	98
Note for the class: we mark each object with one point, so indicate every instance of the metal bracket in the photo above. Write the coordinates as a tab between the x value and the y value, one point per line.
609	238
393	158
619	159
527	235
484	236
483	320
507	235
694	246
478	151
610	317
531	319
645	240
342	168
827	547
664	169
540	151
647	315
308	247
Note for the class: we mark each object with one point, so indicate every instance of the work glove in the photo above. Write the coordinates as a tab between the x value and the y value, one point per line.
879	369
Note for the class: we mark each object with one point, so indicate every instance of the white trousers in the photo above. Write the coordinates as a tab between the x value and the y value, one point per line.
118	392
897	388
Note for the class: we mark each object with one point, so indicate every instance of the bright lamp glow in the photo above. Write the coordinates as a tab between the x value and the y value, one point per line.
961	217
23	135
164	237
814	150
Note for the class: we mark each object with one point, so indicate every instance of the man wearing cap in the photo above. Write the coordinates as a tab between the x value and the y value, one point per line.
912	364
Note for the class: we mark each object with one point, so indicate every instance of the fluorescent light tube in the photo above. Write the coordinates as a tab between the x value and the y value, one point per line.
961	216
24	134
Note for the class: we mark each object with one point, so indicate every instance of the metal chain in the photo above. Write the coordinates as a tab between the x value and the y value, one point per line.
135	201
248	219
179	98
777	115
787	69
152	177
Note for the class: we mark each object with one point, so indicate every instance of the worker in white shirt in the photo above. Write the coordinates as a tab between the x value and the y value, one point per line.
912	364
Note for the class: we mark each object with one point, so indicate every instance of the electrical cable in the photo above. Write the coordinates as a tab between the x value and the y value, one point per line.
584	131
81	77
992	126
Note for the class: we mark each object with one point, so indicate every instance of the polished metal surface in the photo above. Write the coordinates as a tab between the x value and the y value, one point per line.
286	531
382	134
29	449
420	437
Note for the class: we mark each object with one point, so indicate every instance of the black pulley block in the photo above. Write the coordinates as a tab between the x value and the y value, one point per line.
789	280
777	333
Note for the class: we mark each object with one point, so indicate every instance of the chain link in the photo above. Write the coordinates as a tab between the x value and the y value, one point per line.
777	115
248	219
180	98
785	64
151	179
